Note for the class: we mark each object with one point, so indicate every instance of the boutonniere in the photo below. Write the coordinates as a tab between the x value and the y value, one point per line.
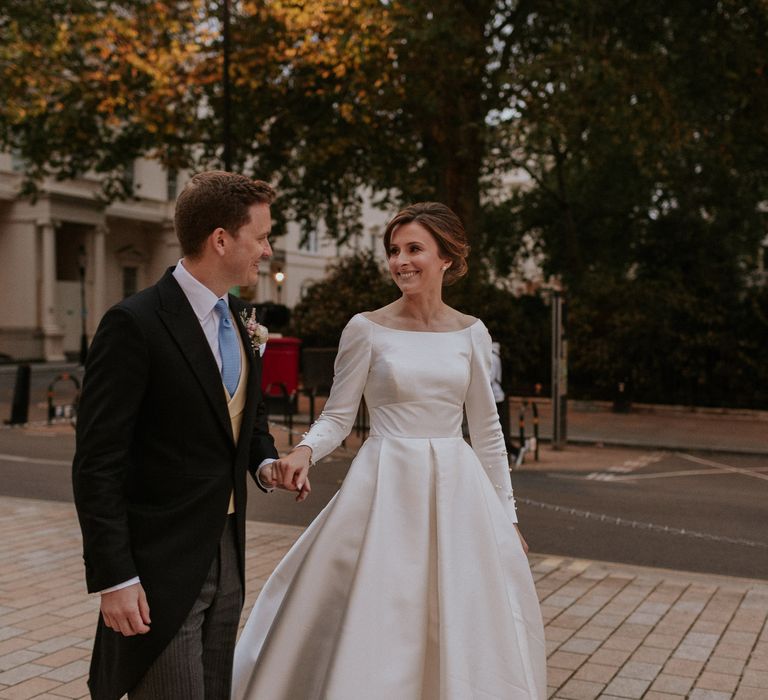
256	332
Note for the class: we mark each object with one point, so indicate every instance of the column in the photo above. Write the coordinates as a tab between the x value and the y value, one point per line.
171	248
164	252
53	336
98	299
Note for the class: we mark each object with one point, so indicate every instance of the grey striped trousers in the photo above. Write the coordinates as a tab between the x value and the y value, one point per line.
197	664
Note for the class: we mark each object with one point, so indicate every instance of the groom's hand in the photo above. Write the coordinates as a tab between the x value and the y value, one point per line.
272	476
126	610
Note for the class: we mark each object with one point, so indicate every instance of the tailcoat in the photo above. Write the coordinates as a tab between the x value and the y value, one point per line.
155	465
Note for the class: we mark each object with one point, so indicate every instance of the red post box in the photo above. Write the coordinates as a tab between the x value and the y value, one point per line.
280	366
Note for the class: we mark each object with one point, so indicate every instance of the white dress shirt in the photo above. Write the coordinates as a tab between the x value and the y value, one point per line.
202	300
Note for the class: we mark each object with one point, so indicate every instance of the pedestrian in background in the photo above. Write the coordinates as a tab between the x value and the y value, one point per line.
500	397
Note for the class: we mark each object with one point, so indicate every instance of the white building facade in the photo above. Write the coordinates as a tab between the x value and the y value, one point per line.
121	248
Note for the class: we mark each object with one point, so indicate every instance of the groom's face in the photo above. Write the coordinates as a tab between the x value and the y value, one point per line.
250	246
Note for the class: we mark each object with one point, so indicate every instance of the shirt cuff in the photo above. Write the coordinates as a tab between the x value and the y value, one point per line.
124	584
268	489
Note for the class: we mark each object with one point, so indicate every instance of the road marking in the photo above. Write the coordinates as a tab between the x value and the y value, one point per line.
631	464
600	476
626	467
641	525
726	467
35	460
619	473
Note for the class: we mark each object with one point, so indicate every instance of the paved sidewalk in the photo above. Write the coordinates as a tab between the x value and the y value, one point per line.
613	631
656	427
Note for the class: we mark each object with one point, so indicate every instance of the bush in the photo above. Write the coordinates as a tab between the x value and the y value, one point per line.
675	344
353	284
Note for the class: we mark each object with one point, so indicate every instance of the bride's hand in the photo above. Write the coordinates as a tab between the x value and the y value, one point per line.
522	539
291	472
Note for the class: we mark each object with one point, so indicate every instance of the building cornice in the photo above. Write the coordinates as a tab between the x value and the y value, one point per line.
146	210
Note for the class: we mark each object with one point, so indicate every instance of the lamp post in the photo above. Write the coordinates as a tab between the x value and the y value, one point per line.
559	371
554	288
279	279
226	89
81	261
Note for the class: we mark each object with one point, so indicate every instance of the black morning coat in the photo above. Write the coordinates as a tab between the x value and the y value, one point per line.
154	467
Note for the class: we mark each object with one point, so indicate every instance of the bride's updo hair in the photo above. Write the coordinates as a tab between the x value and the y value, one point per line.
446	228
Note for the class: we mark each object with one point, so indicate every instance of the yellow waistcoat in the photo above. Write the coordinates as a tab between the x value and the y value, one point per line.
236	405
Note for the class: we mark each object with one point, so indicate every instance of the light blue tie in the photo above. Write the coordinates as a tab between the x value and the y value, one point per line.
228	348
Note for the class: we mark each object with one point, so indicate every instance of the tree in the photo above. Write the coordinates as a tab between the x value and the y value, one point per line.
636	124
91	86
328	98
602	104
353	284
627	116
641	129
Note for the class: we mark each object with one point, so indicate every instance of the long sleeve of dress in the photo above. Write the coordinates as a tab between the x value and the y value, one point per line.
350	373
483	420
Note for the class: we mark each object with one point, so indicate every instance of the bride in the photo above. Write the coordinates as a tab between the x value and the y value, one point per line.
413	583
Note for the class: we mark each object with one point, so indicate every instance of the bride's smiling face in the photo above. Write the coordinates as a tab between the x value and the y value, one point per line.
414	259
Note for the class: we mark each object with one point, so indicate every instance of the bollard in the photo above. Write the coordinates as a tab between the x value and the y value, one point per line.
63	377
521	426
531	443
20	405
622	401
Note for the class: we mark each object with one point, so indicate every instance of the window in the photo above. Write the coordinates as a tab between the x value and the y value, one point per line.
130	281
129	177
310	242
172	185
376	237
18	164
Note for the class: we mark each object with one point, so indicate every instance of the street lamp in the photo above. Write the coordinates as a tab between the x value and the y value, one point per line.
559	363
226	89
81	261
559	371
279	279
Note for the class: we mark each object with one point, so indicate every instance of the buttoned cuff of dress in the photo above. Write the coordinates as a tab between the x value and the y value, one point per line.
124	584
268	489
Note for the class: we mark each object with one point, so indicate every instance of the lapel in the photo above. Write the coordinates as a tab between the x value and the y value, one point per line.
178	317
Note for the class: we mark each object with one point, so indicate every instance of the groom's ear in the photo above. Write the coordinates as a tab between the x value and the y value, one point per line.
217	241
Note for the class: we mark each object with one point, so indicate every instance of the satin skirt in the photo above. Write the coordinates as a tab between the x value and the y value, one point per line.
411	584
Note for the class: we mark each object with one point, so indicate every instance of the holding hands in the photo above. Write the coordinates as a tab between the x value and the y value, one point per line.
290	472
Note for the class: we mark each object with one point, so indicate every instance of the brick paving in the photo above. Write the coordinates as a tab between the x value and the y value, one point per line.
613	631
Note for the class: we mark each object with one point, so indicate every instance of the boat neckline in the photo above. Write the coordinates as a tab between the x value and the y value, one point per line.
405	330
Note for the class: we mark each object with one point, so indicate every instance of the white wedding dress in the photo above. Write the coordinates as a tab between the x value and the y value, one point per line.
412	583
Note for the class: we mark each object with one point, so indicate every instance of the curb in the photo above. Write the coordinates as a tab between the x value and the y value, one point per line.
712	449
660	573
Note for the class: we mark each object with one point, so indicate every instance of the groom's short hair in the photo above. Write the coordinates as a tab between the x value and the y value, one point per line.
216	199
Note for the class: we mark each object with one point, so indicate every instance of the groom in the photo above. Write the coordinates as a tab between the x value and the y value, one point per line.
171	418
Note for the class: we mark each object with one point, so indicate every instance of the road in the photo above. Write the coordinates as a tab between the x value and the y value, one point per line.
674	510
685	511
